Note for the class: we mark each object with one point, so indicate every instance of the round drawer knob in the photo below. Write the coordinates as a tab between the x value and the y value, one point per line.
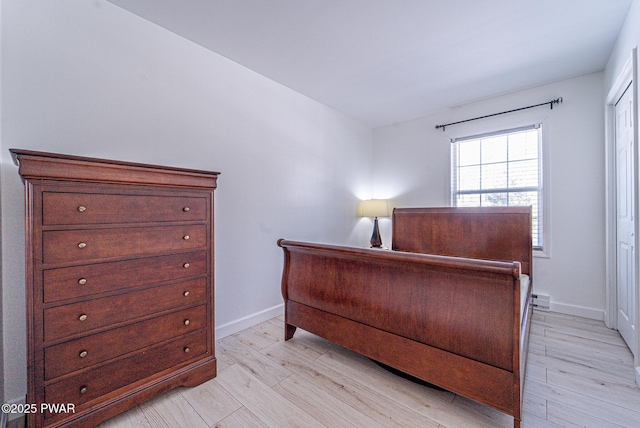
185	237
82	245
186	265
83	317
83	390
186	349
82	281
186	294
82	208
83	354
186	209
187	322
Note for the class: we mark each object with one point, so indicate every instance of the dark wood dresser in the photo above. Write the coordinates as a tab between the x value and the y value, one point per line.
119	283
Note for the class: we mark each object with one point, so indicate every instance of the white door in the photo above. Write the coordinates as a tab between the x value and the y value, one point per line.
625	258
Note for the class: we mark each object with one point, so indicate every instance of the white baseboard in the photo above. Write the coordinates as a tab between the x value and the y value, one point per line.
638	376
580	311
21	401
240	324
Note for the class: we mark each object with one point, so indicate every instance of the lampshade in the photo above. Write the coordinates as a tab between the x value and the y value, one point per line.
375	208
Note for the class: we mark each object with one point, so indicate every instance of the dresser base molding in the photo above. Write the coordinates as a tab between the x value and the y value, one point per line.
190	376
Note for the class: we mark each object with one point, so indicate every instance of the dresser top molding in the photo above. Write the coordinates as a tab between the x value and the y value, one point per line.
55	166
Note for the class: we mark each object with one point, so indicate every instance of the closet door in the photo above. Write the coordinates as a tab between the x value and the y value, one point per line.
625	240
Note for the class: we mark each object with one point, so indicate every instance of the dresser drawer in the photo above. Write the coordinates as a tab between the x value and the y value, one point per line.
93	208
78	281
94	244
77	354
67	320
86	386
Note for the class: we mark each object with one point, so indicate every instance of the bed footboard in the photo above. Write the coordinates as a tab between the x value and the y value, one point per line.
454	322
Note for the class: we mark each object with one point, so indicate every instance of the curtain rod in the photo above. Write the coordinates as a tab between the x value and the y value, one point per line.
551	103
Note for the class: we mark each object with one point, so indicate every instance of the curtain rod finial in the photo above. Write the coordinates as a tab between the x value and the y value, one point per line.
556	101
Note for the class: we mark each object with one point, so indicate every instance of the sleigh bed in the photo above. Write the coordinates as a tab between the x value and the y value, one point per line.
450	304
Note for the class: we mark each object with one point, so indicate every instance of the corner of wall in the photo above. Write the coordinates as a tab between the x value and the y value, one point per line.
245	322
2	398
2	383
2	323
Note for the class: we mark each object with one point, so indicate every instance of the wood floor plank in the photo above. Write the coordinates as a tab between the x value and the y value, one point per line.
570	418
133	418
171	410
223	360
597	334
310	345
254	338
585	404
261	400
587	361
211	401
556	318
362	398
612	373
241	418
482	415
535	405
533	421
433	403
323	406
537	341
366	371
263	368
536	371
616	394
273	330
596	350
278	322
610	340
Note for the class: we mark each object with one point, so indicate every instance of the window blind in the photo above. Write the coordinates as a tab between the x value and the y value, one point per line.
502	168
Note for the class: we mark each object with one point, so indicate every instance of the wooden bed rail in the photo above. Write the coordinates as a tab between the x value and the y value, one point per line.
513	268
455	304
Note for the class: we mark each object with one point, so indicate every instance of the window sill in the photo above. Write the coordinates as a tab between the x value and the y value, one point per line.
541	254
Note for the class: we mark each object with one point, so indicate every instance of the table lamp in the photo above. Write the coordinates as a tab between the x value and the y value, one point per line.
375	208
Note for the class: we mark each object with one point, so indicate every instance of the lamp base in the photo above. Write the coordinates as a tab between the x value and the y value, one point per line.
376	240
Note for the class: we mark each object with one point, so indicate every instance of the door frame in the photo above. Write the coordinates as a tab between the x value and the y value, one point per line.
628	75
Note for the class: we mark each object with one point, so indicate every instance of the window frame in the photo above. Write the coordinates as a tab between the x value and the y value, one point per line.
543	214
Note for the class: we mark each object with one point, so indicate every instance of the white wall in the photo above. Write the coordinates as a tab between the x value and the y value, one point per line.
411	164
628	39
1	332
88	78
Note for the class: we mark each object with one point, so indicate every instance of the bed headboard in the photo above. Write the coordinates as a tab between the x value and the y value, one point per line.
490	233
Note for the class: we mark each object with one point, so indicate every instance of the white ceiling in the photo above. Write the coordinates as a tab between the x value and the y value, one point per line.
384	61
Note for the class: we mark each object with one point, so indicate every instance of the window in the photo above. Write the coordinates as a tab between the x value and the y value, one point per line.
500	169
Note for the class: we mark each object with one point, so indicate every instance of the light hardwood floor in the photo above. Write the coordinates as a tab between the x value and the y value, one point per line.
579	374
